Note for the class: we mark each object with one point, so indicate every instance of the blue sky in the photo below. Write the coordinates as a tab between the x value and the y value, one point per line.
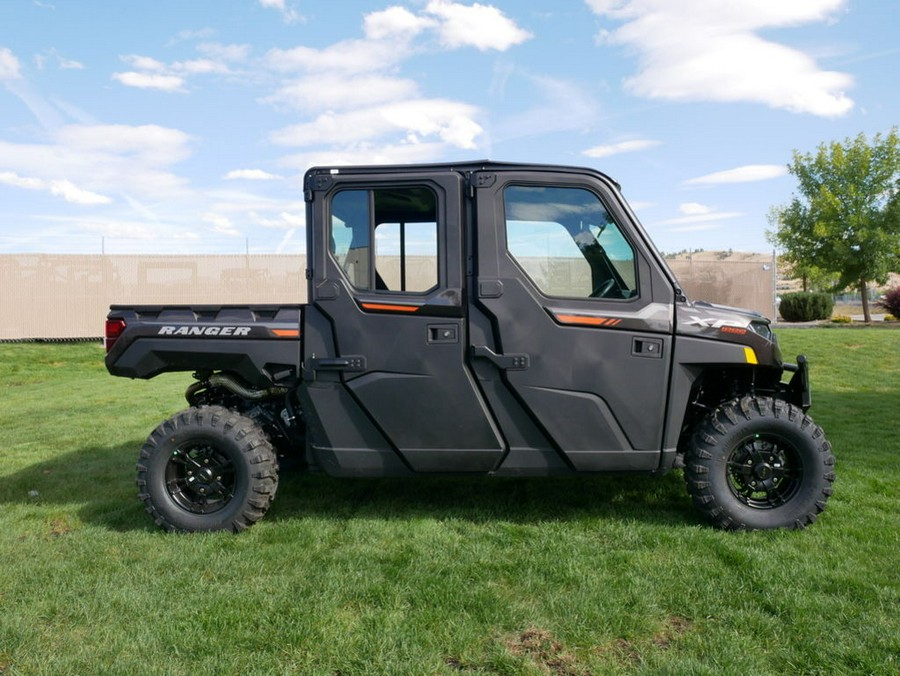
186	126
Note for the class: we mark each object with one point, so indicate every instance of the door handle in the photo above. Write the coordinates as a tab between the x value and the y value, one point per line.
507	362
651	348
348	363
443	333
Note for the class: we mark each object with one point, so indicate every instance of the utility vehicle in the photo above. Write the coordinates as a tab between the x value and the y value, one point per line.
474	319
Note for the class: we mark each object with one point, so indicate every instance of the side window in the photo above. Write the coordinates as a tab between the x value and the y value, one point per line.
385	239
567	243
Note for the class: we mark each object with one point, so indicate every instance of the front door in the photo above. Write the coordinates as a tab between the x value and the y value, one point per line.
577	322
389	285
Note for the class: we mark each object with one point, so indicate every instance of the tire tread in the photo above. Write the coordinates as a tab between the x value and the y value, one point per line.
254	446
710	436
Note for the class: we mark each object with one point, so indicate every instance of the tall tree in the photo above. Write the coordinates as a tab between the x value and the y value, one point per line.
846	218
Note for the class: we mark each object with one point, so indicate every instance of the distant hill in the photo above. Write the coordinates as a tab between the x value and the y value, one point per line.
730	255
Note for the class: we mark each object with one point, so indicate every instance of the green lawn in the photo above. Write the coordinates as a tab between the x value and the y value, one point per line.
441	576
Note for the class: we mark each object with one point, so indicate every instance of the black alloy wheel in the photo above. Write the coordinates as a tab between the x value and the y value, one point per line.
759	463
207	468
764	471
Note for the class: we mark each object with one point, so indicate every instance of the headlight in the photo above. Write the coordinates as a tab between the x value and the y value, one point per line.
762	329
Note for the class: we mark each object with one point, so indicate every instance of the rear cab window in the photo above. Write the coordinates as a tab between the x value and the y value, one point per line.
386	239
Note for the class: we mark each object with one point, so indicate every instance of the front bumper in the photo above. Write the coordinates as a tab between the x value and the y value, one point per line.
797	391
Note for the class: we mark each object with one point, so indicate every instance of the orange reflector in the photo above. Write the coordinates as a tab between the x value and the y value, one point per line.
585	320
286	333
736	330
390	307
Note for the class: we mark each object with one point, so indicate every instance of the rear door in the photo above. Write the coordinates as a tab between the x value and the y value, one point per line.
389	282
578	320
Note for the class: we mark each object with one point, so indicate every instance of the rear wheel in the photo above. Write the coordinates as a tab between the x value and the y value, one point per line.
758	463
206	469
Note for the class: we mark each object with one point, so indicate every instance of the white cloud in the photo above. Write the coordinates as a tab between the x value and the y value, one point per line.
621	147
366	153
363	109
746	174
13	179
694	209
69	64
151	143
708	50
188	35
104	159
150	73
59	187
451	121
332	91
394	22
705	217
283	221
288	13
144	63
221	225
200	67
481	26
561	106
251	175
166	83
388	36
347	56
62	63
231	53
9	65
72	193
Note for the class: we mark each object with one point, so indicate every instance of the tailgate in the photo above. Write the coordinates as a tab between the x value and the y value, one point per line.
262	344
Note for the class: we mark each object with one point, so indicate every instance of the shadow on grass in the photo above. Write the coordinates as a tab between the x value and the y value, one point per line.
481	499
99	481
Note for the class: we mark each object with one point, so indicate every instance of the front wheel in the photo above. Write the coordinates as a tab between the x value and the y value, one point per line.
207	469
759	463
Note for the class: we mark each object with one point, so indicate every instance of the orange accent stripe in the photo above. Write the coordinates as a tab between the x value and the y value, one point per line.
584	320
287	333
390	307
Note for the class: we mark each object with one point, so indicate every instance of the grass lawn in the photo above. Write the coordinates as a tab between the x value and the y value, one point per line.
606	575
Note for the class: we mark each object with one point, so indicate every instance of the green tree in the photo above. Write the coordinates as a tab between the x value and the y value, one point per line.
846	218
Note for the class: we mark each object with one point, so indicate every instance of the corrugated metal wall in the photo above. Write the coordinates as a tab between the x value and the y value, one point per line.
68	296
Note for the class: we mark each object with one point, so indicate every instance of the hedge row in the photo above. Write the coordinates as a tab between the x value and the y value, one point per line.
806	307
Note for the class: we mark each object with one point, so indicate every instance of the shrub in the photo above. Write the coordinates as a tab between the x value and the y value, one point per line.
841	319
890	301
806	307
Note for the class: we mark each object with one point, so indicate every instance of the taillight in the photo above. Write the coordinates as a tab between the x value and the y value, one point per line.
114	329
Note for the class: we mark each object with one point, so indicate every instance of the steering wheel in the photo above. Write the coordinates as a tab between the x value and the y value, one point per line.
603	288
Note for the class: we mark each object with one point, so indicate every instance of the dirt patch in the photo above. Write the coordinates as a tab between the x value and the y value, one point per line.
455	663
673	628
545	652
58	528
629	654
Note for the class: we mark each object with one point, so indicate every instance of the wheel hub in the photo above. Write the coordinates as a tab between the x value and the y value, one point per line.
200	479
763	472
